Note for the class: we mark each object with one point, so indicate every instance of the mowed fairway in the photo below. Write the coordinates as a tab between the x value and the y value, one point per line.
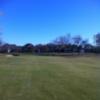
30	77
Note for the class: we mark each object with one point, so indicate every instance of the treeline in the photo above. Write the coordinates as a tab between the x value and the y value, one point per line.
62	44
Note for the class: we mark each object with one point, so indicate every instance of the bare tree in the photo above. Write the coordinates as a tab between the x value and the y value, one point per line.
97	39
62	40
77	40
84	42
1	42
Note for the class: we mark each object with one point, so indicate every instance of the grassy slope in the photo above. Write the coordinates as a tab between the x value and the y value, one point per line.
49	78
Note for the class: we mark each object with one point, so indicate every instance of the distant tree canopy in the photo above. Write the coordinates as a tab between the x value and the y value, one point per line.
62	44
28	48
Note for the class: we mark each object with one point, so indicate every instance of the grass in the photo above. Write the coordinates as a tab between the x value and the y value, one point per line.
49	78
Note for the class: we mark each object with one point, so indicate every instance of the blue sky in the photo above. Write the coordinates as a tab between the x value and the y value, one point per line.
41	21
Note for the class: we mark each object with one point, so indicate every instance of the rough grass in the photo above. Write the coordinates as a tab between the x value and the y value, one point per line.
49	78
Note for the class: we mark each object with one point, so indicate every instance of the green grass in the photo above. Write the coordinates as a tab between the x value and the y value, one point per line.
49	78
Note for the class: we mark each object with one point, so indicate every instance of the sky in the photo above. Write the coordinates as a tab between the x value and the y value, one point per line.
41	21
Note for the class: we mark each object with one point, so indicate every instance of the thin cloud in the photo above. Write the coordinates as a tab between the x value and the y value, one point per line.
1	13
